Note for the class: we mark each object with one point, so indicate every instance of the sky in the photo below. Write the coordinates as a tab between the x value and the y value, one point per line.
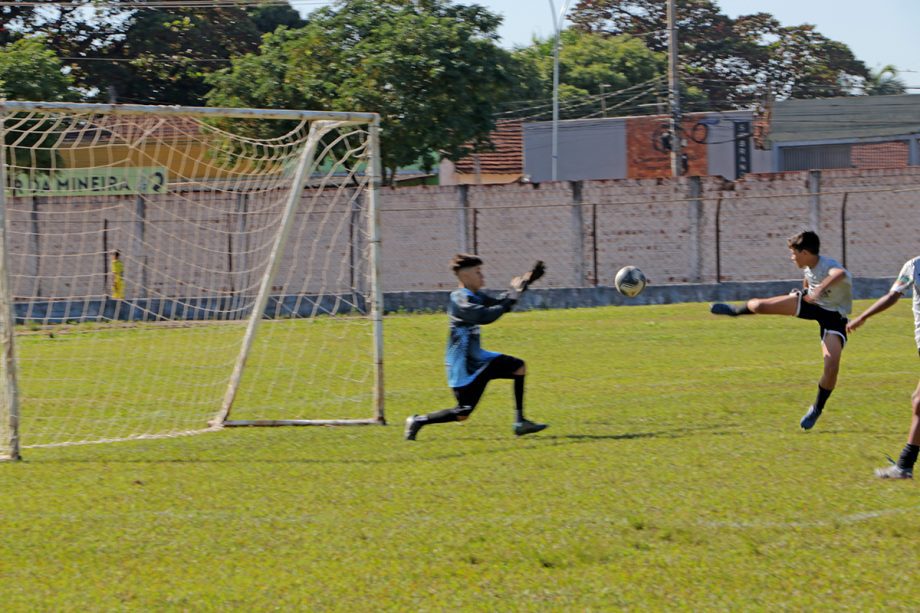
879	32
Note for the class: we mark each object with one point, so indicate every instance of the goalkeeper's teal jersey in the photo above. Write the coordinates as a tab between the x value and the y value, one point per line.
465	357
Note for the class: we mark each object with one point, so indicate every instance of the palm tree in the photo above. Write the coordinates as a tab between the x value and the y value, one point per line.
884	82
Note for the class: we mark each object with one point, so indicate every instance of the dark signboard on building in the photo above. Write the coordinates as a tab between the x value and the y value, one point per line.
742	148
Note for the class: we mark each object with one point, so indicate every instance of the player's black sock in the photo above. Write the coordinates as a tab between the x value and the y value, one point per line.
438	417
742	309
823	395
908	457
733	310
519	397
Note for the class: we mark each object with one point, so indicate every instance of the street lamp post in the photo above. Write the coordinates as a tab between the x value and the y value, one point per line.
557	27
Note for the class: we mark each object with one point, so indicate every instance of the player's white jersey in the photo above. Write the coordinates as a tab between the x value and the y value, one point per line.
908	278
839	296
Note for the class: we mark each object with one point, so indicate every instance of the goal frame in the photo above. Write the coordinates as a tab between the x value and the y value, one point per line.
10	397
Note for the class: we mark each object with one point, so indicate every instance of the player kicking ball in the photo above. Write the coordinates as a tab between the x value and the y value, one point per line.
908	277
469	366
827	297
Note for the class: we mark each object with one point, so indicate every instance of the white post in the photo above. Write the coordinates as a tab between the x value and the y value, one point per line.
317	130
557	28
373	222
10	396
677	161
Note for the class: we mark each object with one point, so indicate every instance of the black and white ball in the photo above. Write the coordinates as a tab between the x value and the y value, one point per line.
630	281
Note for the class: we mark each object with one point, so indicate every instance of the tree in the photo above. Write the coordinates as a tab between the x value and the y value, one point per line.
590	66
884	82
735	61
149	54
31	71
164	55
432	69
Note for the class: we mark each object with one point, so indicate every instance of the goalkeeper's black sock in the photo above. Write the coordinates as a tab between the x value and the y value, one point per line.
438	417
519	397
908	457
823	395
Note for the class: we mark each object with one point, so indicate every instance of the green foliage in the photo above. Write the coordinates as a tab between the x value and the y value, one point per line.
431	69
193	43
268	17
673	476
31	71
884	82
736	61
149	55
592	63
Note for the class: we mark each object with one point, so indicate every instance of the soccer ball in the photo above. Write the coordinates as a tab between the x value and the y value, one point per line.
630	281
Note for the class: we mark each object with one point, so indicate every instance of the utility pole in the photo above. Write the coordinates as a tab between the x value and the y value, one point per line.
604	99
674	92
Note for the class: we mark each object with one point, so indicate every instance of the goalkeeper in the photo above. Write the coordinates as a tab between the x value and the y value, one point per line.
469	366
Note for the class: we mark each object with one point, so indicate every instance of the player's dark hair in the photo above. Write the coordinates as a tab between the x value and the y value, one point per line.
464	260
805	241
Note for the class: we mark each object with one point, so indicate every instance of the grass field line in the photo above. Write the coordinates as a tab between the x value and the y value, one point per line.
852	518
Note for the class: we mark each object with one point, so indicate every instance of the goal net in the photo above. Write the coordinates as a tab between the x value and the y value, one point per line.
168	270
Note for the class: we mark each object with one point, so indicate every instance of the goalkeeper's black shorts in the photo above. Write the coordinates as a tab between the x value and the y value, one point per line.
501	367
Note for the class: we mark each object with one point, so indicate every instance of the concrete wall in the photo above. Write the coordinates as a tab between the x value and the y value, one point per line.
686	231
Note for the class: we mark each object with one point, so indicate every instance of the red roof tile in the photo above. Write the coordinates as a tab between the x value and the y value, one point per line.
506	158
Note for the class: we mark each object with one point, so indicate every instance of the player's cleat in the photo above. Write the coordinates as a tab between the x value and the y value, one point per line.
721	308
810	419
412	427
528	427
893	472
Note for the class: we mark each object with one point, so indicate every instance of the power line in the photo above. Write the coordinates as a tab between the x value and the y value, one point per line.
145	59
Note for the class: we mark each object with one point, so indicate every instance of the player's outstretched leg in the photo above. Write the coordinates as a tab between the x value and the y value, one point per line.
732	310
777	305
414	423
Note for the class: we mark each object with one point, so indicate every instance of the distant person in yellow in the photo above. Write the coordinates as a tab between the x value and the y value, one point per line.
118	276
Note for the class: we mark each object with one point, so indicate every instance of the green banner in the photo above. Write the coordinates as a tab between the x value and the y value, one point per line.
90	182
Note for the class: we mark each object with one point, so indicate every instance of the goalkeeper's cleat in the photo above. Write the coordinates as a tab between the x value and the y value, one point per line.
810	418
525	426
721	308
894	472
413	425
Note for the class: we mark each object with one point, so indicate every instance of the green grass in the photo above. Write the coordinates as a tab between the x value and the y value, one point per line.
674	475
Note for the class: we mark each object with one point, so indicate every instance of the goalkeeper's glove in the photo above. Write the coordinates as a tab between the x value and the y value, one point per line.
520	284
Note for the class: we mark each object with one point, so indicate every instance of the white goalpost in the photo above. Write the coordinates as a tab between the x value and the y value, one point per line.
174	270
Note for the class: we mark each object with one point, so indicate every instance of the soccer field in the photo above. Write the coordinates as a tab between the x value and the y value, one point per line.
673	475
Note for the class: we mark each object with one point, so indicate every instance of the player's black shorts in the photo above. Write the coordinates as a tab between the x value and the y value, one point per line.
830	321
501	367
